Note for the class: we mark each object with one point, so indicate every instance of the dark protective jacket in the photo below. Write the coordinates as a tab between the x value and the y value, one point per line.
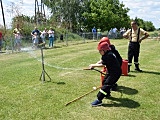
112	64
118	56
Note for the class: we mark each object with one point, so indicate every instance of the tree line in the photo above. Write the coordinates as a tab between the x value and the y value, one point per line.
103	14
73	15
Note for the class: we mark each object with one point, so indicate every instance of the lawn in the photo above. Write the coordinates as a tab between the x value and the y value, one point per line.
24	96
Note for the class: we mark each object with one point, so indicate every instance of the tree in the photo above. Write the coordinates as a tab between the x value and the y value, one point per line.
106	14
66	13
103	14
146	25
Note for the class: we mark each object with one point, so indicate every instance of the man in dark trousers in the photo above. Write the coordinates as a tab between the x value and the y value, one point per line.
110	61
135	35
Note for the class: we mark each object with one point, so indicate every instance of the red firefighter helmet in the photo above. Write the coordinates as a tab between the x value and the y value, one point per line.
105	39
103	46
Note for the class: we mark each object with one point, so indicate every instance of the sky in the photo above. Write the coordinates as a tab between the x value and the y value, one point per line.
148	10
26	7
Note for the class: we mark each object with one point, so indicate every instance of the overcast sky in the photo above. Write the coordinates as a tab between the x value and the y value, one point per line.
148	10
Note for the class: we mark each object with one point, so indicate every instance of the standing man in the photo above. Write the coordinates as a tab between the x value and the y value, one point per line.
135	35
17	35
43	36
51	37
35	36
94	32
35	31
98	33
114	32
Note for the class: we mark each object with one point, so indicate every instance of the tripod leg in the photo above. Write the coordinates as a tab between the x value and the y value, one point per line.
43	71
43	75
47	75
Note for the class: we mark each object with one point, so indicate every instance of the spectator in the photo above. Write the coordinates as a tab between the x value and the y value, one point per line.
35	30
35	40
35	36
43	36
51	37
98	33
110	33
1	39
17	29
135	36
61	37
94	32
114	32
17	36
17	42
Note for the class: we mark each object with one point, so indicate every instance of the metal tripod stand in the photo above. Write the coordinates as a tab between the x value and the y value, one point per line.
42	77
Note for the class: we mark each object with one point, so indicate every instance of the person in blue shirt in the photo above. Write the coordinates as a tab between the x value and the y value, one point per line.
94	32
35	36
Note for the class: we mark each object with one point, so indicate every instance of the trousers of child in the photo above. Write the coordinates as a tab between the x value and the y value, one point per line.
108	82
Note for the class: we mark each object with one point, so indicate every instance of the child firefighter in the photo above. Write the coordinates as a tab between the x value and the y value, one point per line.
110	61
116	53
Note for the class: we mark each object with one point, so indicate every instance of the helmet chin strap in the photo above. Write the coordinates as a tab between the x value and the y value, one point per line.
105	51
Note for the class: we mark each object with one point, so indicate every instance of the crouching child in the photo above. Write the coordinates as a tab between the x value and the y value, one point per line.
110	61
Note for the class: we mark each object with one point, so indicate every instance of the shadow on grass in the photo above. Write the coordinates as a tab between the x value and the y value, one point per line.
59	83
47	48
57	47
121	102
127	90
149	72
129	75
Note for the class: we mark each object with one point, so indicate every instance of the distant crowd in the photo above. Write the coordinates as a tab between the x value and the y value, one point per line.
38	37
113	33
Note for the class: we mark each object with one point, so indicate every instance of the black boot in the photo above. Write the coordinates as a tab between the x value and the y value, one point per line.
137	68
129	68
114	87
108	95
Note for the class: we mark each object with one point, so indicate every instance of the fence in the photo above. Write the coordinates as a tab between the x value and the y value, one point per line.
66	40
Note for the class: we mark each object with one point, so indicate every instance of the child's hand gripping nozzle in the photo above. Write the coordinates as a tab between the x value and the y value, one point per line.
103	73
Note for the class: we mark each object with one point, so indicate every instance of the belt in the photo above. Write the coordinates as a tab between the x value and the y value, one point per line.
133	42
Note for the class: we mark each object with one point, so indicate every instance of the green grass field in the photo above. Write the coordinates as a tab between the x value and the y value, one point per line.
23	96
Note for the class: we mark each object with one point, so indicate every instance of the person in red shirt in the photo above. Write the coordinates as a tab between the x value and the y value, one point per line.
1	38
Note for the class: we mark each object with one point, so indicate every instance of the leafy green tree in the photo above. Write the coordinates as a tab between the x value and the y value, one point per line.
106	14
146	25
66	13
74	14
103	14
